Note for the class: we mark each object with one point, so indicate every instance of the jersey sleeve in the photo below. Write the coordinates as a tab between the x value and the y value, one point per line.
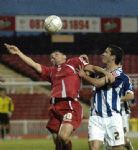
125	84
128	88
46	72
78	61
118	81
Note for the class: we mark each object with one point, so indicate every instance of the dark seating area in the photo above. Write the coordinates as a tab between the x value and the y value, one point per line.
89	43
129	63
33	101
134	111
85	95
18	65
30	106
35	106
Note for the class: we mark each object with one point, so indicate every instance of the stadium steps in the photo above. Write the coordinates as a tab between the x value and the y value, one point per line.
18	65
129	63
9	75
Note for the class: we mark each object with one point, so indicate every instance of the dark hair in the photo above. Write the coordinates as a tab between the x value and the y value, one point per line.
60	51
118	52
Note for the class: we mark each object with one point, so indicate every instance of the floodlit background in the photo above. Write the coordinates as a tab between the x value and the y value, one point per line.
88	27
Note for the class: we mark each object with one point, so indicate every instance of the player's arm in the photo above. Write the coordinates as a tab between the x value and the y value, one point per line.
95	69
128	96
94	81
15	50
97	82
128	89
85	57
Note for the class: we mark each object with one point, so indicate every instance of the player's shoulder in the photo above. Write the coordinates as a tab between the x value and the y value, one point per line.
9	98
45	68
125	76
50	67
72	59
76	61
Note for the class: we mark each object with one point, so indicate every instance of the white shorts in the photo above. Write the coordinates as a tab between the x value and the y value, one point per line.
125	119
109	129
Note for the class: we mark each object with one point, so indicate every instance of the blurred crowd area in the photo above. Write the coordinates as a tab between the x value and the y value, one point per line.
89	43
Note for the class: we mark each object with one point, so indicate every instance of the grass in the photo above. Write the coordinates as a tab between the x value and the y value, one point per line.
45	144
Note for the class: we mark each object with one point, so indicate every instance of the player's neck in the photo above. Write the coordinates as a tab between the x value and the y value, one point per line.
112	66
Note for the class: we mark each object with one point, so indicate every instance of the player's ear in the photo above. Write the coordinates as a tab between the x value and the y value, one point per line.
65	57
113	57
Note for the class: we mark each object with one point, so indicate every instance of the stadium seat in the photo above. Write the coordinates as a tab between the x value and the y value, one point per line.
129	63
30	106
85	95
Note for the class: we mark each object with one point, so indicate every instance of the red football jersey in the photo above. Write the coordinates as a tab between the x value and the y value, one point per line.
64	79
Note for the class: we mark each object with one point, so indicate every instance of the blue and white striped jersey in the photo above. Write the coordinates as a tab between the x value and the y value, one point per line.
106	100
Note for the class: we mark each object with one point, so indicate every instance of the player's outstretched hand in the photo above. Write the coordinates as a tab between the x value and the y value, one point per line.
12	48
81	71
85	57
110	78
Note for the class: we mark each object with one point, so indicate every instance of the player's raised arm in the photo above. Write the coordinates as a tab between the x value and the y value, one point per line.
16	51
95	69
128	96
97	82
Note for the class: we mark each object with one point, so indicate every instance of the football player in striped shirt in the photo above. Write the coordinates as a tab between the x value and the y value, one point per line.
105	121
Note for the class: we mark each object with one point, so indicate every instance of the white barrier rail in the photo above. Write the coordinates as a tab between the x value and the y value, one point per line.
38	127
12	85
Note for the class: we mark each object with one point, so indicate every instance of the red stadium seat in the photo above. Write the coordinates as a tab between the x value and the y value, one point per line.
129	63
30	106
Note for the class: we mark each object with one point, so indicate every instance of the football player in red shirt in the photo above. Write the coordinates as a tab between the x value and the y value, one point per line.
65	113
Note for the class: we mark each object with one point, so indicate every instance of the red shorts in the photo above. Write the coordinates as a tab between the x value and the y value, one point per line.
69	111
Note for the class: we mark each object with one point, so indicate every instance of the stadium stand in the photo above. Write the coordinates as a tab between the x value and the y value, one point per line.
85	95
30	106
134	110
39	45
89	43
14	62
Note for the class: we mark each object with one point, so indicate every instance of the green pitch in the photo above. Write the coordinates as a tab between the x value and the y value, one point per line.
45	144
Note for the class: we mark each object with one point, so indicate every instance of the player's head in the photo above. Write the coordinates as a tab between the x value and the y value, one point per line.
114	54
57	57
2	92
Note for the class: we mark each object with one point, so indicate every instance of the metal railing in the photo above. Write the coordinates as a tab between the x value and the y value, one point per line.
13	84
38	127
